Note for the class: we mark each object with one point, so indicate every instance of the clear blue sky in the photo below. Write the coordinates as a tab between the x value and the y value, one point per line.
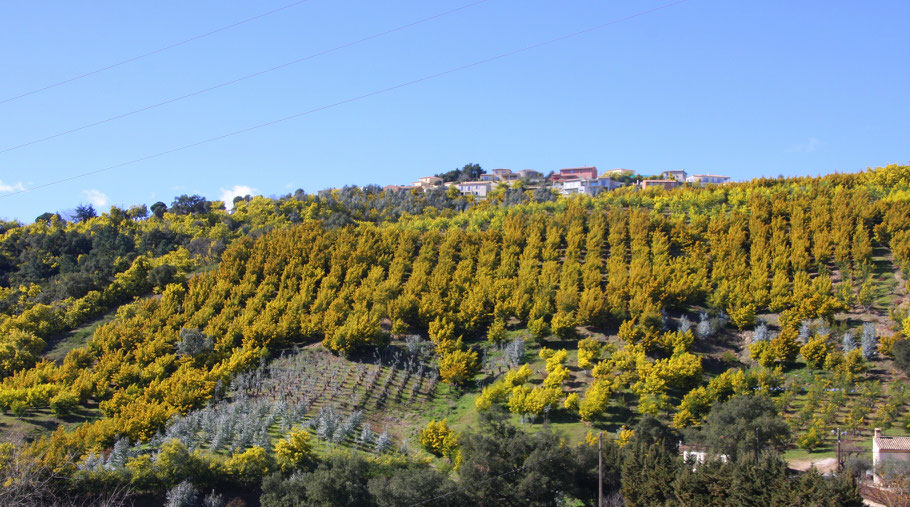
739	88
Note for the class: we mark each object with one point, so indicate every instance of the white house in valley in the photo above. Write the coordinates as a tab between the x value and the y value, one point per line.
887	450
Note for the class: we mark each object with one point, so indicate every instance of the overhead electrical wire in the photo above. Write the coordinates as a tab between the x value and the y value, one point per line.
153	52
242	78
352	99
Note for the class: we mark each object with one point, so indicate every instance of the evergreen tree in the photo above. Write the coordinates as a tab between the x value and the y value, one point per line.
848	343
869	341
182	495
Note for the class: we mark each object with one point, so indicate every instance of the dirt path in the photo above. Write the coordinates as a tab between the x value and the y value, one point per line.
824	465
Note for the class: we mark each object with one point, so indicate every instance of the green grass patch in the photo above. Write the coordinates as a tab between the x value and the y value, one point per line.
41	421
202	269
821	452
885	281
58	349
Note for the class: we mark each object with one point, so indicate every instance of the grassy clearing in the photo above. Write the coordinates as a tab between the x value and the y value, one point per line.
41	421
202	269
802	454
886	283
59	348
829	450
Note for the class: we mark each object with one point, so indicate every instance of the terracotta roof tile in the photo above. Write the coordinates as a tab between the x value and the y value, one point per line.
893	443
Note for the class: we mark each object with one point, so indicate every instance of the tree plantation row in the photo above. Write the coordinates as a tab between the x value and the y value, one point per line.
604	306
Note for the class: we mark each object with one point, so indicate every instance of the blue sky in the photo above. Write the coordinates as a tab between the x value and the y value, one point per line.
739	88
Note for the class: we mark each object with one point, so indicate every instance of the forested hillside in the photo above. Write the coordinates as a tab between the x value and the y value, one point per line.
372	332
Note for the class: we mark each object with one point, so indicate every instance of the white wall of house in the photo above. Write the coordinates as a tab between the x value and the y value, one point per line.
587	186
707	179
571	187
477	188
679	176
887	450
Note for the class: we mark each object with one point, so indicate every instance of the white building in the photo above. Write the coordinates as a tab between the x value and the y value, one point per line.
888	450
427	181
588	186
507	176
478	188
679	176
707	179
699	457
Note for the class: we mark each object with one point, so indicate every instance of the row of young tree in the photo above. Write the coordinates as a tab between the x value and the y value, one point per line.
55	262
498	464
800	247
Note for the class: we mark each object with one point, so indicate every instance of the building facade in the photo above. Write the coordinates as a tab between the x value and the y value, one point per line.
887	450
476	188
427	181
504	174
586	186
679	176
575	173
530	174
707	179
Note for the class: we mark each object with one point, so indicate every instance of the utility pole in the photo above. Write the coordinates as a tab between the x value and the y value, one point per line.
838	451
600	469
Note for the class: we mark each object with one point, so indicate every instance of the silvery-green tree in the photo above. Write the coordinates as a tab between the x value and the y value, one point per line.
383	442
684	324
848	342
869	340
182	495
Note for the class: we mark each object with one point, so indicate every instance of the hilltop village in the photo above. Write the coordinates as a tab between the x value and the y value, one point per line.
568	181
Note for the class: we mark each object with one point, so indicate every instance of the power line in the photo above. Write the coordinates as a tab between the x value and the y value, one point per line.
242	78
153	52
353	99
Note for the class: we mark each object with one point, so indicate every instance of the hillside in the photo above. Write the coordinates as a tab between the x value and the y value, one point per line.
356	322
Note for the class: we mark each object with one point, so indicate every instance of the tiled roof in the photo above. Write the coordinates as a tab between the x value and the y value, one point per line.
893	443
